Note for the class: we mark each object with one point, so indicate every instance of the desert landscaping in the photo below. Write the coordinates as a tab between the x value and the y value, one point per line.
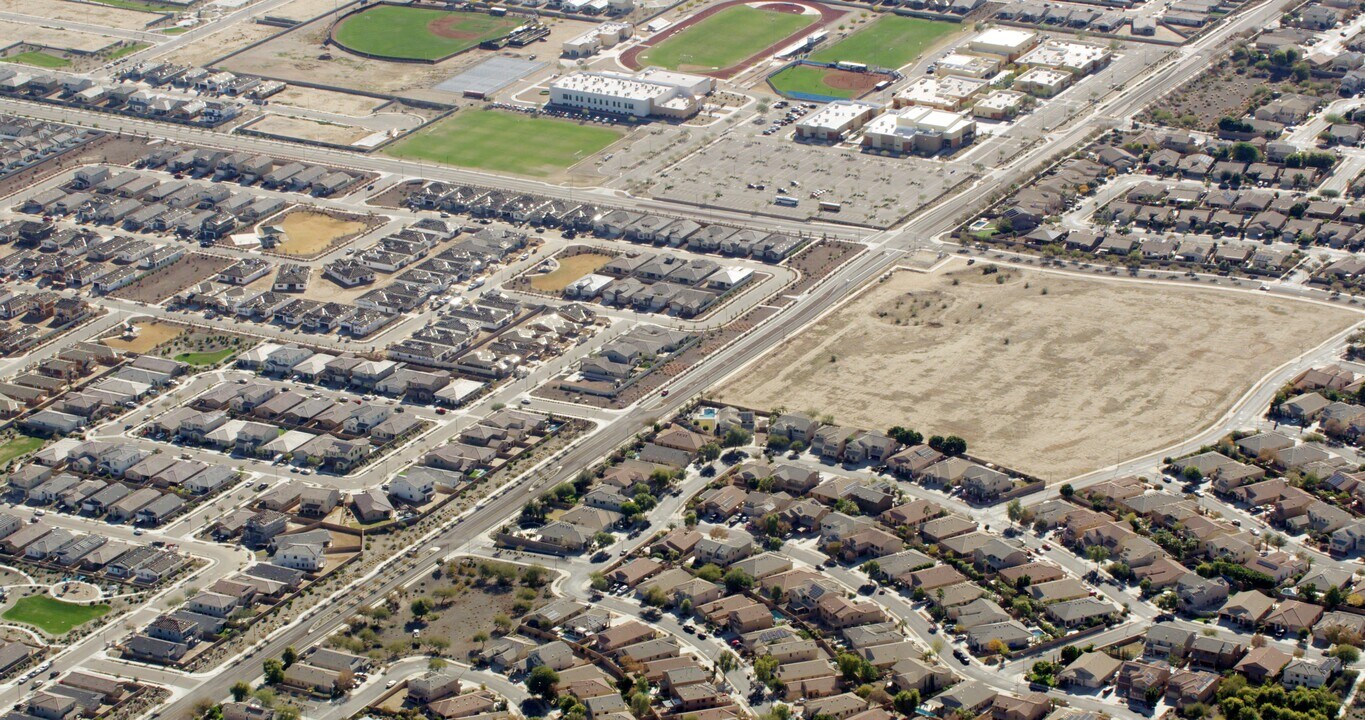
1048	375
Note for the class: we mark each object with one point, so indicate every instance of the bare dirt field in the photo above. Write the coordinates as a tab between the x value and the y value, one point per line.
289	127
150	334
308	233
1046	374
326	101
569	270
304	10
157	286
89	13
207	49
54	37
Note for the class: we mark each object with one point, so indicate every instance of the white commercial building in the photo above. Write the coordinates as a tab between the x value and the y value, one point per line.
1079	58
591	42
919	129
1000	105
651	92
835	120
964	65
1005	42
1043	81
944	93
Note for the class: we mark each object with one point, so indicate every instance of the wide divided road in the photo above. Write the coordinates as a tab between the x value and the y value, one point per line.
887	250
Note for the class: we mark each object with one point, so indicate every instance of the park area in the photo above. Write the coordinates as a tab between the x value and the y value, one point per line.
147	335
814	80
891	42
52	616
505	142
413	33
727	37
308	233
568	270
1053	376
16	446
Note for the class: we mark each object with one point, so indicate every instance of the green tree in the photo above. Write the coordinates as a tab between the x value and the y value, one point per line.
290	656
906	701
240	691
421	607
765	669
736	437
543	682
710	572
737	580
709	452
904	435
1068	491
274	671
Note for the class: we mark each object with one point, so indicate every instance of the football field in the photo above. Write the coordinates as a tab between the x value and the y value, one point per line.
725	39
893	41
505	142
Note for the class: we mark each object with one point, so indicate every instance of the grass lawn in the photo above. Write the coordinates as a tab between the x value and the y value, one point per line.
51	615
809	80
18	445
892	41
199	359
725	38
127	50
409	33
505	142
38	59
175	31
141	6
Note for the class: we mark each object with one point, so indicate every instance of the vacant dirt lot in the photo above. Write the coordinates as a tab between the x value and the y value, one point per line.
297	128
1050	375
207	49
89	13
190	269
327	101
150	334
55	37
308	233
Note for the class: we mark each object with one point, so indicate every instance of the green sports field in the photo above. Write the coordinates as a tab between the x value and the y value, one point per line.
505	142
725	39
409	33
51	615
809	80
37	59
200	359
893	41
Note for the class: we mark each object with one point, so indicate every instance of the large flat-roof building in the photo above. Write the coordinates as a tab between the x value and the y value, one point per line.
1079	58
964	65
1043	81
835	120
919	129
944	93
593	41
650	92
1000	105
1008	43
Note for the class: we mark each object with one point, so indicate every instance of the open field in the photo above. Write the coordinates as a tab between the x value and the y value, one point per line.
205	50
37	58
308	233
304	10
297	128
202	359
150	334
1049	375
725	38
18	446
412	33
812	80
569	270
892	41
114	17
188	270
51	615
498	141
54	37
326	100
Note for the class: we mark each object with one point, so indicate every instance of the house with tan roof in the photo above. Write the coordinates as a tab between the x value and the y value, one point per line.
1090	670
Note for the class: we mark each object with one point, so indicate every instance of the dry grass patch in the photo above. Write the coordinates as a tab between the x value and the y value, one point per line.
308	233
1048	374
150	334
569	270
